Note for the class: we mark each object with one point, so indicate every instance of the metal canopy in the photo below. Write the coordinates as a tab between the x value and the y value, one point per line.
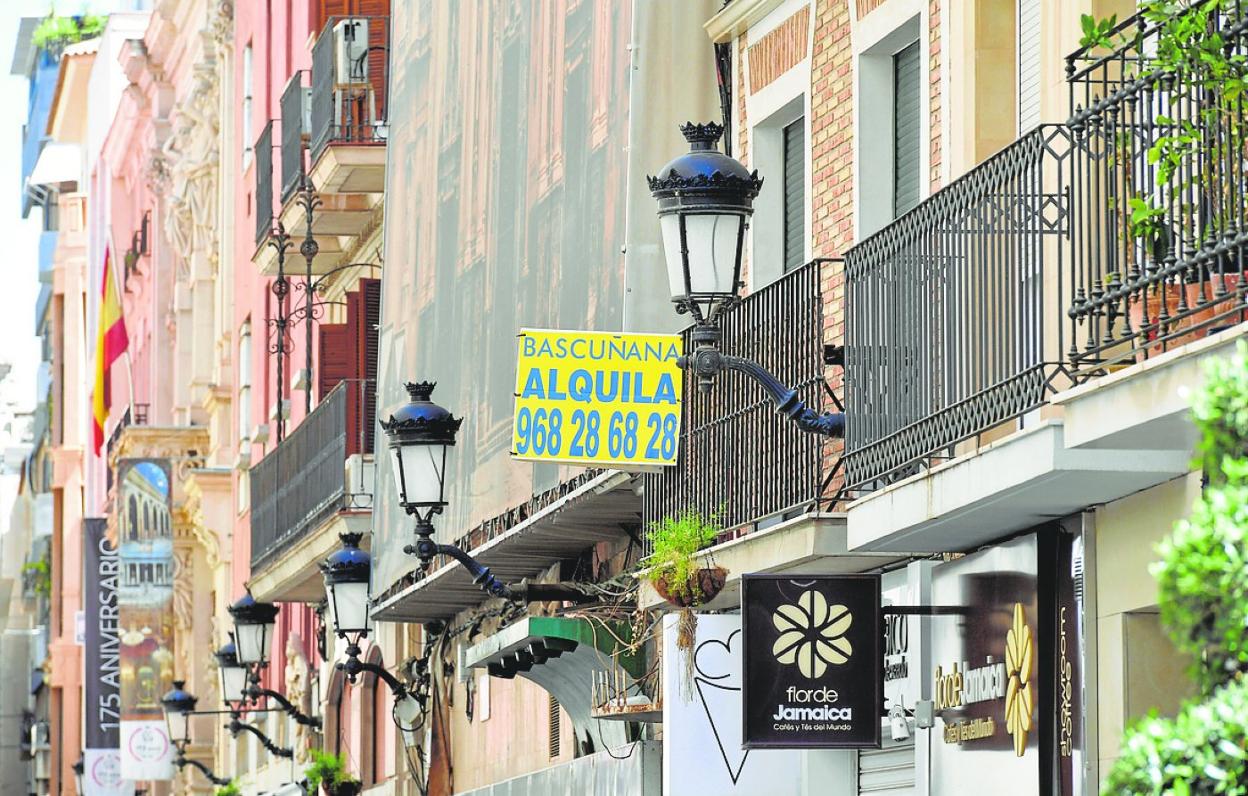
595	512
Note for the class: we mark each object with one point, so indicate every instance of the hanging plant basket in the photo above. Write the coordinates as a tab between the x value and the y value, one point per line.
348	788
702	587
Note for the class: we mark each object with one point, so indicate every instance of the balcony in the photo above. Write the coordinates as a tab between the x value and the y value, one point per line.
768	481
337	129
264	185
350	104
316	483
983	324
781	328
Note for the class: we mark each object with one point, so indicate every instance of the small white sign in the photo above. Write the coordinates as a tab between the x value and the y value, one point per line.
80	627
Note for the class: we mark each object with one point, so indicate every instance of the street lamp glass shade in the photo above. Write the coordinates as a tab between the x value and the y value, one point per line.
419	471
705	201
178	705
347	574
233	674
253	629
711	241
420	433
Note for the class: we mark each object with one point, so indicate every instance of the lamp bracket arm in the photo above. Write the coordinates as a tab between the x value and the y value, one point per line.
207	772
707	361
353	666
481	575
235	726
286	705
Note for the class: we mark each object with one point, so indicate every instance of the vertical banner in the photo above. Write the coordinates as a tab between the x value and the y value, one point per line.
145	605
814	671
102	651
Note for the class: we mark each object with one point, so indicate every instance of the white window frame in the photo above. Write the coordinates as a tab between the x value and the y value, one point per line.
768	111
881	34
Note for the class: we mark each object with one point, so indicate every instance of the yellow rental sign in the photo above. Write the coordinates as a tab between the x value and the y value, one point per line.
597	398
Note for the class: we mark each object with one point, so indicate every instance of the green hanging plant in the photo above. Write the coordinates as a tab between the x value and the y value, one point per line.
231	789
674	564
330	771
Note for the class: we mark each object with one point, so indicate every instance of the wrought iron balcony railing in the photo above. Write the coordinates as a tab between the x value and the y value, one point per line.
739	459
1069	254
302	482
264	183
946	318
350	79
294	122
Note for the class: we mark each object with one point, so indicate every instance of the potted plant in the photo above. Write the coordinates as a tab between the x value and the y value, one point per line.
230	789
678	574
330	772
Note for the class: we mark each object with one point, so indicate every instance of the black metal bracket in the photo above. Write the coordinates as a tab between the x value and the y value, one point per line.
235	727
182	761
426	550
706	362
353	667
254	693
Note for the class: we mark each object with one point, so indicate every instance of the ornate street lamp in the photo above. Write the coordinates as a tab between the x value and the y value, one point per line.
179	705
346	574
421	432
705	202
253	629
233	675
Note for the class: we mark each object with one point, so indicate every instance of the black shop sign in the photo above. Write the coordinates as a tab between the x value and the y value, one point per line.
813	661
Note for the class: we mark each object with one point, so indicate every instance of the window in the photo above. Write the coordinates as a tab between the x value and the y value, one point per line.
244	409
794	194
246	116
891	131
244	380
907	82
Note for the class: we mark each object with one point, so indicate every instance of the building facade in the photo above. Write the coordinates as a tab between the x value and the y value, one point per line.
306	207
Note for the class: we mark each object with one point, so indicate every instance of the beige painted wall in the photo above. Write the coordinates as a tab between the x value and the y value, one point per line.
1138	668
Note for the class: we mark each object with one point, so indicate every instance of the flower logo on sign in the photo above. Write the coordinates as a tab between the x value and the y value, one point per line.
812	634
1020	649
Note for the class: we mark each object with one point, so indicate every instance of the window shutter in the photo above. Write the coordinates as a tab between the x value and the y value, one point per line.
370	319
337	357
906	129
1028	65
794	194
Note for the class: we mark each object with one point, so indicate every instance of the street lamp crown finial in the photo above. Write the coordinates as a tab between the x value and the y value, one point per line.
702	136
420	390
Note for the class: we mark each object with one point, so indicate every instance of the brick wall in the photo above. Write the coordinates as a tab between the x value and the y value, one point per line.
832	173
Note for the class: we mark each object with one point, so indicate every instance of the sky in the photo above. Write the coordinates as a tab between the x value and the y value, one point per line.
19	238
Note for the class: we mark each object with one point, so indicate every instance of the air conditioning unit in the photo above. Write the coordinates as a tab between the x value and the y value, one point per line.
360	476
351	50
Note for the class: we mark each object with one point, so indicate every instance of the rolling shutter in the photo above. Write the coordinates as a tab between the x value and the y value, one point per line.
888	771
1028	65
794	194
906	130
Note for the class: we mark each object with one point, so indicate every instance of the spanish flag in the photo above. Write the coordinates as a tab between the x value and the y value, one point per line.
110	341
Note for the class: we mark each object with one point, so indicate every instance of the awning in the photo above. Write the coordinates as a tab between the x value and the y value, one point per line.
597	511
57	164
